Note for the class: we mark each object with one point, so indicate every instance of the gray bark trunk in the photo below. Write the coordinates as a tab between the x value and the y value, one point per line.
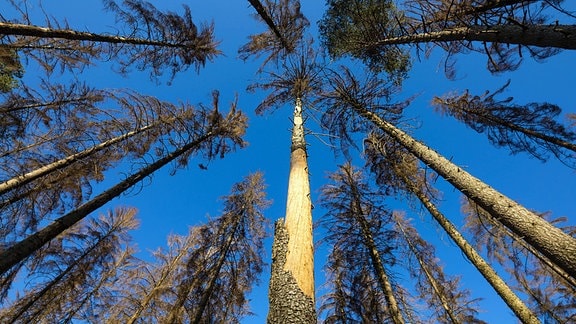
557	36
558	246
43	32
288	303
62	163
26	247
499	285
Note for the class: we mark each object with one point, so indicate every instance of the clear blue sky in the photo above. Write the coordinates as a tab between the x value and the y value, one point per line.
169	204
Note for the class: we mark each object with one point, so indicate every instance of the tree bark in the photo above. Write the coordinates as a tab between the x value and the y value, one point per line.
499	285
23	249
292	282
558	246
557	36
43	32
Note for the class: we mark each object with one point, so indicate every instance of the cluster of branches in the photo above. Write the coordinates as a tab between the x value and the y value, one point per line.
90	272
381	32
350	106
57	140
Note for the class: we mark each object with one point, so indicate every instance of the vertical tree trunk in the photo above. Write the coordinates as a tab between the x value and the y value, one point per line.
376	260
558	246
291	292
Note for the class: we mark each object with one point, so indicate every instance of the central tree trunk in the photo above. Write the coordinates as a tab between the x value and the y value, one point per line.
291	292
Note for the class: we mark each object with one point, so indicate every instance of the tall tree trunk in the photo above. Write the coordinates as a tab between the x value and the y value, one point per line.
433	282
291	291
23	249
376	260
26	178
558	246
43	32
557	36
215	272
499	285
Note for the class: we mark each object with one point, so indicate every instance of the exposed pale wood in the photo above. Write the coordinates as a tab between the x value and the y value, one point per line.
300	255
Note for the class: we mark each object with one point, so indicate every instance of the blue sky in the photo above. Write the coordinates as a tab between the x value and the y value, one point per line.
169	204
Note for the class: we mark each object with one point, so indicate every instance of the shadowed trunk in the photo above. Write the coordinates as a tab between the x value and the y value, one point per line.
556	36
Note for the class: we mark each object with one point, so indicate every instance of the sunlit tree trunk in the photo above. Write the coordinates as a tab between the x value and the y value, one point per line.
43	32
558	246
291	292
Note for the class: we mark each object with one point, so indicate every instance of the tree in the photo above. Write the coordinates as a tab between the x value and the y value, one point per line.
10	69
500	29
286	25
85	251
211	134
530	128
349	100
355	222
349	23
154	40
219	275
442	292
550	293
56	174
203	276
291	291
398	170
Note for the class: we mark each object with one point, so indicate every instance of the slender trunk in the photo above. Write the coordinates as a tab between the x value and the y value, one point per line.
526	131
26	247
55	281
6	108
558	246
268	20
433	282
291	291
557	36
499	285
43	32
375	259
26	178
215	272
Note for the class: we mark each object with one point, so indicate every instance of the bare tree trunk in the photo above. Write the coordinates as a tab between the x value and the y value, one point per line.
375	258
62	163
558	246
215	272
291	291
557	36
43	32
433	282
23	249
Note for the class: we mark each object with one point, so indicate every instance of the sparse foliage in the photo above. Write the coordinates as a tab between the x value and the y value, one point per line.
530	128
